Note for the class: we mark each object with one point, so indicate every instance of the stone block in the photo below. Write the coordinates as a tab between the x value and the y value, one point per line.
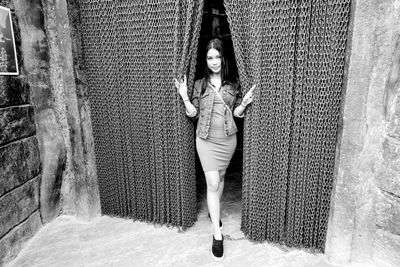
388	179
13	91
12	243
391	151
16	122
20	162
34	47
386	248
391	96
18	204
388	212
53	157
388	176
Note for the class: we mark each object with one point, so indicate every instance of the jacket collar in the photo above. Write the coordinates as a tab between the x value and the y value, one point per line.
222	83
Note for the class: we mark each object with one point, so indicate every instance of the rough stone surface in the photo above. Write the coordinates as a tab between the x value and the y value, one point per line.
69	178
368	153
386	248
79	189
20	162
53	156
69	175
389	169
12	243
391	96
47	82
89	184
57	60
19	157
18	204
13	91
36	54
352	179
16	122
388	213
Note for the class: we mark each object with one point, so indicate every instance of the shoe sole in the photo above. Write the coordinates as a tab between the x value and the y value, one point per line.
217	259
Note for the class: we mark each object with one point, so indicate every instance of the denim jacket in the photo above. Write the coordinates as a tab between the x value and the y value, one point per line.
232	96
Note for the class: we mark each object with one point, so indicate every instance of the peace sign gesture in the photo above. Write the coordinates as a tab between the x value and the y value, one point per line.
181	86
248	98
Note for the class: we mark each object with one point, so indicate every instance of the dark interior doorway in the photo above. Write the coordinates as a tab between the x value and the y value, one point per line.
215	24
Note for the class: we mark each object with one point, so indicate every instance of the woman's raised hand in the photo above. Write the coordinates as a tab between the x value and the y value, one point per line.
248	98
181	86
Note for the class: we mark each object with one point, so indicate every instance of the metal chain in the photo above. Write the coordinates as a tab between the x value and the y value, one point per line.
294	51
144	143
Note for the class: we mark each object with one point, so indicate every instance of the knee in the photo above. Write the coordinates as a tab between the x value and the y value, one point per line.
213	186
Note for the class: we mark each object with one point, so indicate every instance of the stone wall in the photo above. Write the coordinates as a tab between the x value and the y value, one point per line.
46	149
365	214
79	191
20	168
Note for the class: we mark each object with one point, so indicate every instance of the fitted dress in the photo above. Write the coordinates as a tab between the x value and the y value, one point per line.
217	150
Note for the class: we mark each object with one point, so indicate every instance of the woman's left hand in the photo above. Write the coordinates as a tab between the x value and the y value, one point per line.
248	98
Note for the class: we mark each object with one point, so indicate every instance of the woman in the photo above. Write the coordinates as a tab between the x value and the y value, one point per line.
214	102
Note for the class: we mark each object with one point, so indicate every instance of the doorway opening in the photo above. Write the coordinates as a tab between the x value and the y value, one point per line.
215	24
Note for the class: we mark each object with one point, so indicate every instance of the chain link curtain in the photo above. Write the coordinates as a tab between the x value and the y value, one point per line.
295	52
144	144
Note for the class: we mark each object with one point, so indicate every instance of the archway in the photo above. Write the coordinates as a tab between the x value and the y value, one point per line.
294	51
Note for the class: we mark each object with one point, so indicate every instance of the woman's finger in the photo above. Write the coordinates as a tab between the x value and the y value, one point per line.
184	79
252	88
176	83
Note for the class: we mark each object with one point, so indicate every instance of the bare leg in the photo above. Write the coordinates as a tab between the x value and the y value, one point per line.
213	182
221	183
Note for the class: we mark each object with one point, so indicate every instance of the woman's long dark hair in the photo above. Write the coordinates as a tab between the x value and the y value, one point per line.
217	44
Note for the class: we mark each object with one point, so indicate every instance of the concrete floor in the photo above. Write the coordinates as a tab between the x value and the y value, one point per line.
107	241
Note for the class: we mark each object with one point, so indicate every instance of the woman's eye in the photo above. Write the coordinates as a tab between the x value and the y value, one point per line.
216	57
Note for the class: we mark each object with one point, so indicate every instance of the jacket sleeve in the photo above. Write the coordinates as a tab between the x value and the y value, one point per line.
195	100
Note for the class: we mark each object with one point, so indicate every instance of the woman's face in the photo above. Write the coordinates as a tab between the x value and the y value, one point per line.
214	60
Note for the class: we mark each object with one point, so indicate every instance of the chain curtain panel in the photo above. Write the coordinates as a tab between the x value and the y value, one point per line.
295	52
144	144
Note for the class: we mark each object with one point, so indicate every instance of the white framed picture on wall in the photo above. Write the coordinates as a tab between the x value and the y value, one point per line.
8	54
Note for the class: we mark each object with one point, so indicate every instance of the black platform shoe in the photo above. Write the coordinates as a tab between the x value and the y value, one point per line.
217	250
